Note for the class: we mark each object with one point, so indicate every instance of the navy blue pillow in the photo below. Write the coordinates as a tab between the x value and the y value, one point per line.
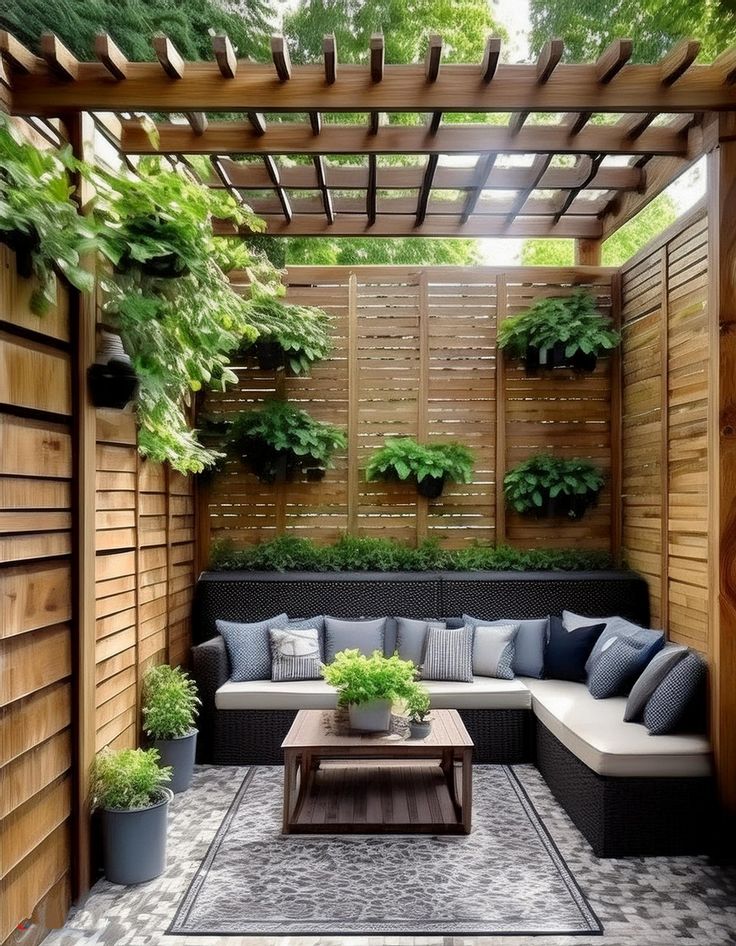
567	651
617	667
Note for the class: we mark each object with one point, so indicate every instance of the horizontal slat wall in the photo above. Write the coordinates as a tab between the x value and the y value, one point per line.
423	364
36	733
665	403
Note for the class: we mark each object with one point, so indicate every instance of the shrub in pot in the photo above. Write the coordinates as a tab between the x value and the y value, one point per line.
559	332
547	486
291	336
429	466
417	706
169	708
129	789
368	686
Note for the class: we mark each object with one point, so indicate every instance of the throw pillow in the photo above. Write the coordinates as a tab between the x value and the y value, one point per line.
652	675
493	650
295	654
528	645
567	651
248	647
342	634
616	668
449	654
614	627
668	707
301	624
411	638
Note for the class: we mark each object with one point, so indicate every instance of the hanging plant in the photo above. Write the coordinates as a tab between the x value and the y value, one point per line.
547	486
293	336
38	218
557	332
278	439
112	381
430	466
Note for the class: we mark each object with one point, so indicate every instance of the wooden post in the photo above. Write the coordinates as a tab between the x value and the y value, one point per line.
83	318
353	406
617	383
664	426
423	396
501	305
720	137
588	252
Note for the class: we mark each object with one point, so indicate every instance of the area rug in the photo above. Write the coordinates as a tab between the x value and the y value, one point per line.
506	878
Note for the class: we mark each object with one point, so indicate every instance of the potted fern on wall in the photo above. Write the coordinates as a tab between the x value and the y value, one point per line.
559	332
290	336
169	708
429	466
547	486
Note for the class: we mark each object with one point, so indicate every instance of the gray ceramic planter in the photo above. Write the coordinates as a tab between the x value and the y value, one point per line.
419	730
179	754
134	842
374	716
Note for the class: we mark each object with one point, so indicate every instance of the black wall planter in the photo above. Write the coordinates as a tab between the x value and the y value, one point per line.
23	245
270	355
112	385
431	486
565	507
555	357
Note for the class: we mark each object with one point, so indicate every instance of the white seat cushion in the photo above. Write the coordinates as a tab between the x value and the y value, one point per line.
595	731
482	693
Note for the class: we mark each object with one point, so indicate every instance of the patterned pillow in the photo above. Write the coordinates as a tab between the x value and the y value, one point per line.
248	647
616	668
295	654
449	654
652	675
493	651
615	627
528	644
411	638
675	696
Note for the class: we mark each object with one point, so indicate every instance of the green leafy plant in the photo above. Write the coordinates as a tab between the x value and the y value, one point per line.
360	679
39	219
278	438
169	703
363	553
404	458
573	321
302	333
418	703
531	486
128	778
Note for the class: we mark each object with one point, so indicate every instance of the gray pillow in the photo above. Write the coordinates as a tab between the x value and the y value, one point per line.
299	624
295	654
652	675
493	650
617	666
411	638
342	634
675	696
528	644
615	627
449	654
249	648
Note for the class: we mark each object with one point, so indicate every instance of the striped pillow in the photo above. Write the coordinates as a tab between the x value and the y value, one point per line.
295	654
449	654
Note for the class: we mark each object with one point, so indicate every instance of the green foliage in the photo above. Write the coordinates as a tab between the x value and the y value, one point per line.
38	216
530	484
360	679
125	779
546	252
359	553
574	320
169	703
403	458
279	437
417	702
302	332
380	251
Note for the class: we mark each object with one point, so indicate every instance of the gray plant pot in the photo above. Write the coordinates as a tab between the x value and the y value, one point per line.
374	716
419	730
134	842
179	754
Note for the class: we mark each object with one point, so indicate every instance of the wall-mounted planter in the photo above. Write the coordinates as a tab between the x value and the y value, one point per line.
112	381
23	245
567	507
556	357
270	355
431	487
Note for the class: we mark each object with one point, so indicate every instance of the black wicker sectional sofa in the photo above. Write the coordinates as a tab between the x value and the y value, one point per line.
628	792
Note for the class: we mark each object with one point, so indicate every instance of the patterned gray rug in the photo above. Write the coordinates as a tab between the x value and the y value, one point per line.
506	878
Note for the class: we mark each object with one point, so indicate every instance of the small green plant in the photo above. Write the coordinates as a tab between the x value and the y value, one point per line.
301	333
39	219
531	486
169	703
127	778
404	458
278	438
360	679
418	703
573	321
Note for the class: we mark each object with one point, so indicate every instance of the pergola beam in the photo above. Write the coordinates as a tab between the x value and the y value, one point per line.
227	61
111	56
61	62
170	59
491	55
281	58
18	56
676	63
612	60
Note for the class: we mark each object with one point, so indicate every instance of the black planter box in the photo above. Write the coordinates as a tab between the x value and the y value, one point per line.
555	357
431	486
112	385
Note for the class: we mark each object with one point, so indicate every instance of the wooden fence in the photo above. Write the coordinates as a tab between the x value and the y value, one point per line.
415	354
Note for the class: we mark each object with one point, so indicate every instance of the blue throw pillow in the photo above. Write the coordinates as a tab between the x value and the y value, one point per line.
528	645
567	651
348	634
615	627
249	647
676	696
616	669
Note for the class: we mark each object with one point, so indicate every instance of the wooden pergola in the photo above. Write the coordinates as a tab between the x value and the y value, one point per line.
553	149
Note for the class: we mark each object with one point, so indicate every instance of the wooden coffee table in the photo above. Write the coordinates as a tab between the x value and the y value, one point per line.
356	783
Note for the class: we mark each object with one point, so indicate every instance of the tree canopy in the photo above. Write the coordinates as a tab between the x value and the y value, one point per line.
404	251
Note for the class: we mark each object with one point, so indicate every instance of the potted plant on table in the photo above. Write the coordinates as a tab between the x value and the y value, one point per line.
430	466
129	789
559	332
169	708
368	686
417	706
547	486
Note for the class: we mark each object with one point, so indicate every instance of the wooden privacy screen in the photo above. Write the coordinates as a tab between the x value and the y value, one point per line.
415	354
666	388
